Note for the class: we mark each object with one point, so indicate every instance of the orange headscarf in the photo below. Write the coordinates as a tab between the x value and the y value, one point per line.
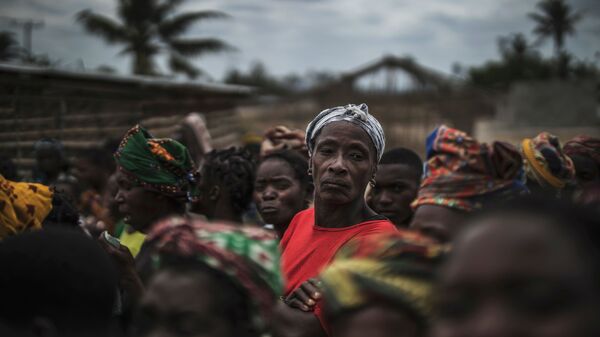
23	206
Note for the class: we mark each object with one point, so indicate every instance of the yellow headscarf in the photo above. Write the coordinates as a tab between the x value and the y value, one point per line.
23	206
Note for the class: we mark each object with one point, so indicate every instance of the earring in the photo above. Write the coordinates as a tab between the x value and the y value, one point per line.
309	172
372	182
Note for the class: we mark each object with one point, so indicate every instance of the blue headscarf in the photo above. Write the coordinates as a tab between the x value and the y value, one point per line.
355	114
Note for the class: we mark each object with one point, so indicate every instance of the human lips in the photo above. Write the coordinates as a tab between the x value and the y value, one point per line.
335	183
268	208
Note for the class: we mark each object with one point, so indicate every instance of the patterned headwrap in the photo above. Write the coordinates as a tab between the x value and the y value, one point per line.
23	206
462	173
163	165
584	146
355	114
397	268
249	256
545	161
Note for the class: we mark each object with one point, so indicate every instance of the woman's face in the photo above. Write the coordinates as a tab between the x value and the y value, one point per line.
136	204
516	276
438	222
278	193
343	161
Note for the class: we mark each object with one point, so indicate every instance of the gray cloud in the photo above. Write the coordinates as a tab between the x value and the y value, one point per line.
298	35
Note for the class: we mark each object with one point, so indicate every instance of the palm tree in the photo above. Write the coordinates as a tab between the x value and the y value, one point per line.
147	28
554	19
9	47
514	46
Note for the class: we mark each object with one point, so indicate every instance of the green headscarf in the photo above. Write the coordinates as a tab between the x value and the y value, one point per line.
160	164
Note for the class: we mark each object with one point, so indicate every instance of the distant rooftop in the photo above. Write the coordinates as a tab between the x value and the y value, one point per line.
135	80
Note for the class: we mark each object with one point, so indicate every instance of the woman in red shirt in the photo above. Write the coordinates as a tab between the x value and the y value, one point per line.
345	145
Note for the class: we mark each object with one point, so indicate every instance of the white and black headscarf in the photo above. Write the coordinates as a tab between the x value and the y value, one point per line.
355	114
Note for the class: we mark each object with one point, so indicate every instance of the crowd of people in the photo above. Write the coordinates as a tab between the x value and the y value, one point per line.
308	233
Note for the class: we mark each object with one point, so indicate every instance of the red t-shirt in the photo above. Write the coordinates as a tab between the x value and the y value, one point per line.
307	248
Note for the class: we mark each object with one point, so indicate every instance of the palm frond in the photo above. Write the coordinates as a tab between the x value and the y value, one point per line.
164	8
179	64
102	26
178	24
196	47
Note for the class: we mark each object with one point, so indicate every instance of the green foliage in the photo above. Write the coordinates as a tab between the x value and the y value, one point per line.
521	62
147	28
554	19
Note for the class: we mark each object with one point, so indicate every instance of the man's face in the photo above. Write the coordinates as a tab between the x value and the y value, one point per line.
395	188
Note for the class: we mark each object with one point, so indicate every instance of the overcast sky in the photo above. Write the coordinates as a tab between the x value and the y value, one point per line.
301	35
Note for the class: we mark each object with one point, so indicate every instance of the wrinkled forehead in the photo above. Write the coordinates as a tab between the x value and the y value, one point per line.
336	130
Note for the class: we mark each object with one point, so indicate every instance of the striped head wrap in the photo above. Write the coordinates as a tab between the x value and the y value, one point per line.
355	114
159	164
23	206
545	162
398	269
249	256
463	174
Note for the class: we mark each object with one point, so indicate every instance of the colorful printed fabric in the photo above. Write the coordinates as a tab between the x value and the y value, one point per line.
23	206
396	268
163	165
462	173
545	161
584	146
357	115
249	255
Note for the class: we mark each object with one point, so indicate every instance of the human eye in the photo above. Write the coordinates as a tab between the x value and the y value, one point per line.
282	185
399	187
326	150
357	156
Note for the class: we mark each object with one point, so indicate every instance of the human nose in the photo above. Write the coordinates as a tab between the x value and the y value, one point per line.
119	197
384	198
338	166
269	193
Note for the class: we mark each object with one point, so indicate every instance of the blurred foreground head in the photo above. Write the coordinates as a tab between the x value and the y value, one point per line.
218	280
530	268
55	282
382	285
